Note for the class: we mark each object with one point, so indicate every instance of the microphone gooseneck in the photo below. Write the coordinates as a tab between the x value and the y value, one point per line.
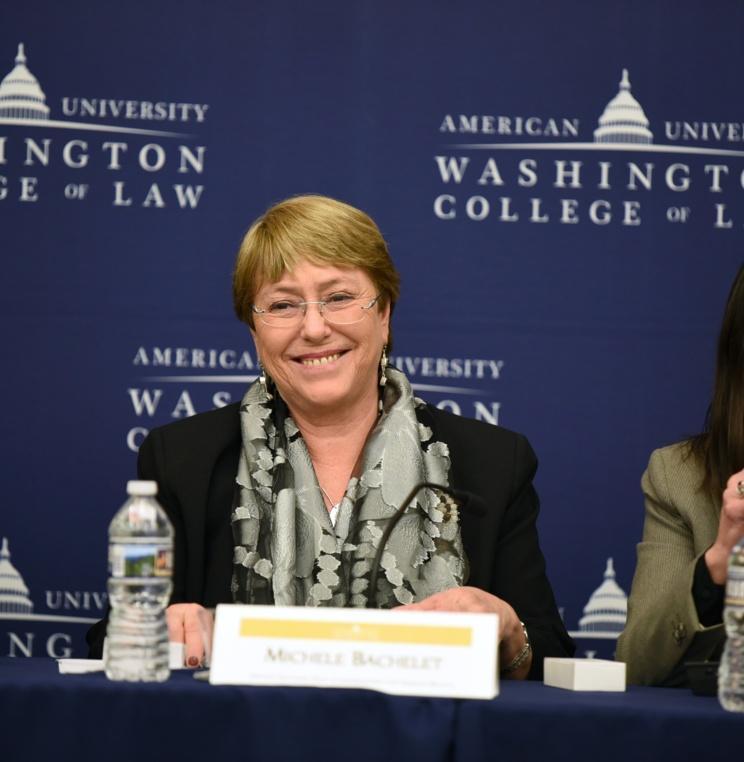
460	497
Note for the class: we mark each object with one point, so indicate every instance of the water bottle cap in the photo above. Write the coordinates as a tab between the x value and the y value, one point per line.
141	488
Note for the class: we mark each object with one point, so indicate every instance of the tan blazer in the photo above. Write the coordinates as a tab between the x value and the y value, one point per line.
663	630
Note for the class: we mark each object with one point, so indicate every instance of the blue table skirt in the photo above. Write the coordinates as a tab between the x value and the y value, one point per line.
48	716
45	715
532	721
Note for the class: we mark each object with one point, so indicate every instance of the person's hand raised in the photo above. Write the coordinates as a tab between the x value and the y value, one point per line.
730	528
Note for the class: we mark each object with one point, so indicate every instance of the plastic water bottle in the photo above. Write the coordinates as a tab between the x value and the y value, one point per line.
140	569
731	671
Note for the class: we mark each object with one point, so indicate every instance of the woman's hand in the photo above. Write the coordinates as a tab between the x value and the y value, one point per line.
191	624
475	600
730	530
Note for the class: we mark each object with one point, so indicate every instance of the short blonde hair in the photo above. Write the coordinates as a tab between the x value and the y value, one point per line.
316	229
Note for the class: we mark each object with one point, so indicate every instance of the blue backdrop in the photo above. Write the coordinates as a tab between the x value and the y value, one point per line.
560	281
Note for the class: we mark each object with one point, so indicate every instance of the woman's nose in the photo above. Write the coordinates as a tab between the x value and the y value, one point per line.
313	322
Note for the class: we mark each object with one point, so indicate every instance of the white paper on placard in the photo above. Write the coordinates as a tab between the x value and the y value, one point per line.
445	654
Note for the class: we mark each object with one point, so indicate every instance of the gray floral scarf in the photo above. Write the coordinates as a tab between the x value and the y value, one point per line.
287	551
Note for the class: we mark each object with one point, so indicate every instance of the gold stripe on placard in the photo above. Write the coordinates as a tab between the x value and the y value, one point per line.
359	632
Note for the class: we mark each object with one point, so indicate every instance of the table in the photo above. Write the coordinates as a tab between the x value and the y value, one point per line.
45	715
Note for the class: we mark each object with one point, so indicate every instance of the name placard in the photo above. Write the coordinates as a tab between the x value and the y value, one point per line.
416	653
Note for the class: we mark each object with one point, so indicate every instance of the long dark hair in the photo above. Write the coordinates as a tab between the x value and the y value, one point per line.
720	448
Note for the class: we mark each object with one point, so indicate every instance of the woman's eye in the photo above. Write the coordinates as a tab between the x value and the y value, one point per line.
285	306
338	298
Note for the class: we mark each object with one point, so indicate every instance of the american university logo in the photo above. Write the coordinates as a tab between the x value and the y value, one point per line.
538	170
26	633
127	166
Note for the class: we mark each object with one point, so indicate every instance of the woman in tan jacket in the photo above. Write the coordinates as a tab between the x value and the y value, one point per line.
694	494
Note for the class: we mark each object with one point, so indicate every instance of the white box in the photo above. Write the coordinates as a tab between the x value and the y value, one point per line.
585	674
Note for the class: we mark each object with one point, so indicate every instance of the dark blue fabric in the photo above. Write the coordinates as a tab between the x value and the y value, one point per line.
531	721
44	715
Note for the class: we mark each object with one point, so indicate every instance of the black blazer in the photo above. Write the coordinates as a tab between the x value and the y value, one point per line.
195	460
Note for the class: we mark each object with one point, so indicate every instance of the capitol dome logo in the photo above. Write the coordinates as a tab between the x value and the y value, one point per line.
607	609
14	598
623	120
21	97
604	614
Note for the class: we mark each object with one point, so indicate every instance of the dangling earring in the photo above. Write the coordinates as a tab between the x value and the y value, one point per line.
263	379
383	379
383	365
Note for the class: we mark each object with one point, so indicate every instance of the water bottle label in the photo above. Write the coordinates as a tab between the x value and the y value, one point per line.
735	587
140	560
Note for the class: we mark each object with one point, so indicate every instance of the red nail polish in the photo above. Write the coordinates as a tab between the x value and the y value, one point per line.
193	661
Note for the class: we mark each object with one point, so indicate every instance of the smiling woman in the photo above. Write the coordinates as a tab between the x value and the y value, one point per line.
320	337
283	498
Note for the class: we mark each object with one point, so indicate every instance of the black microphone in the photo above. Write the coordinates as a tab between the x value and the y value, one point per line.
453	499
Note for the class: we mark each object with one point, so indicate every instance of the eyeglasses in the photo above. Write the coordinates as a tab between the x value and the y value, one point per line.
338	309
